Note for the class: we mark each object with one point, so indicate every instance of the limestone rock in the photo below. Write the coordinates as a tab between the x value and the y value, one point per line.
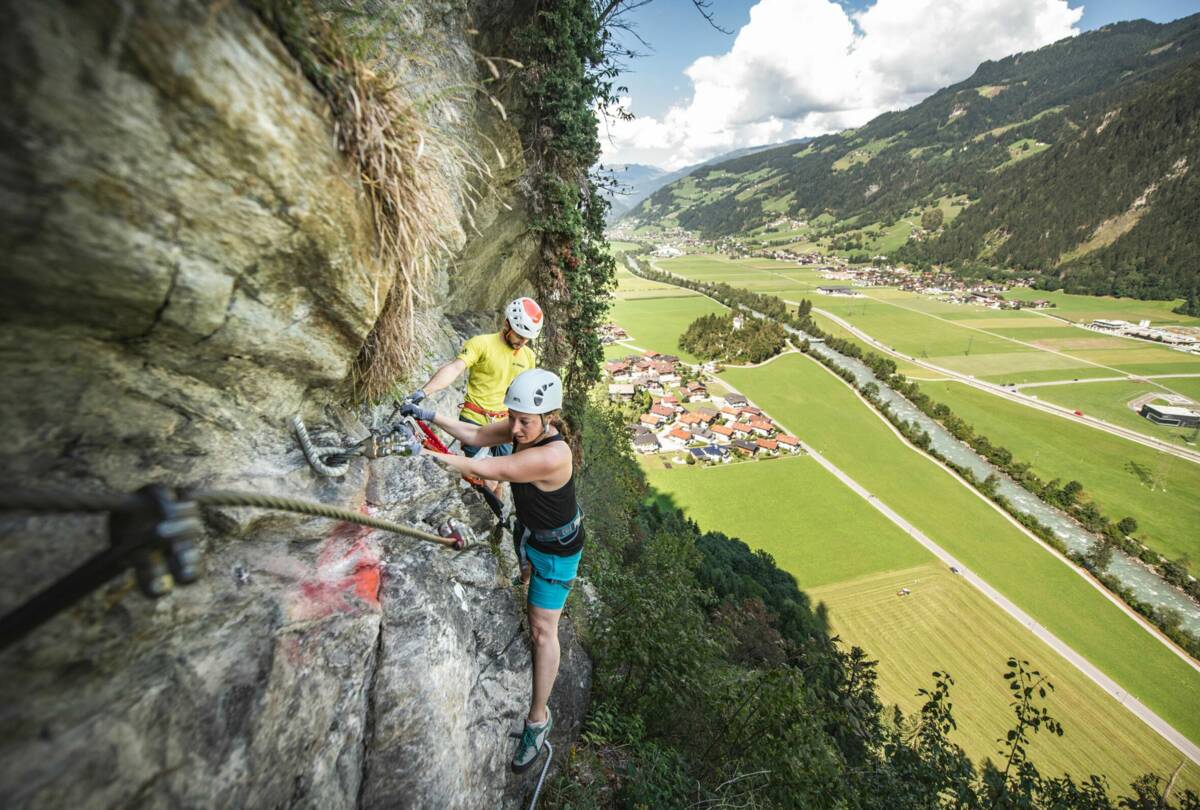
187	265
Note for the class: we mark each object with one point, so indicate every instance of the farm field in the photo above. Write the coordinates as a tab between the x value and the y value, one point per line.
821	409
811	501
947	625
656	323
1106	400
1084	308
1000	346
822	531
1123	477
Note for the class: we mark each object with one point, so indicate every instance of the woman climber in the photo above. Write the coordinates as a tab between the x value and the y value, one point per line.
549	524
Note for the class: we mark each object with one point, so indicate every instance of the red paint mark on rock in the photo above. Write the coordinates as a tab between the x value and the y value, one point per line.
346	575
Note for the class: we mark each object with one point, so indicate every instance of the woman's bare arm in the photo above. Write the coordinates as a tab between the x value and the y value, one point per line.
534	464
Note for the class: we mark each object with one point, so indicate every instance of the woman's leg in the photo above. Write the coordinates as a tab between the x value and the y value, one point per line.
543	628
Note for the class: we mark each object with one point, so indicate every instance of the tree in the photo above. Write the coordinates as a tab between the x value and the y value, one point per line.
1127	525
932	219
1100	555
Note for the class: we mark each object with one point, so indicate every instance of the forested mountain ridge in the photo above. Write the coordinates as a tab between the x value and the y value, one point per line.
1114	210
1004	121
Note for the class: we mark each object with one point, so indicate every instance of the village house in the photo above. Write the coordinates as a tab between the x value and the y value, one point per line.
710	452
690	419
736	400
742	429
723	434
650	419
788	442
646	443
770	445
622	391
707	415
763	427
748	447
663	411
728	414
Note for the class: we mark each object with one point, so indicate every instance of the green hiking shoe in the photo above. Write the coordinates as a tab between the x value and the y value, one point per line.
531	743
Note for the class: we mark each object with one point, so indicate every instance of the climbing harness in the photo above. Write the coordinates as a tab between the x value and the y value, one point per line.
156	534
521	533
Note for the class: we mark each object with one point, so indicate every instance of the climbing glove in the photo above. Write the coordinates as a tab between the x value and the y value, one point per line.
417	412
416	396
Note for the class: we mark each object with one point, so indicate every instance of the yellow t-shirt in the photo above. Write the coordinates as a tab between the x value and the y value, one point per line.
492	365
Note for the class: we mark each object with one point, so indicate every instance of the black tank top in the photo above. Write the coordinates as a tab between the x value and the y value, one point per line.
540	510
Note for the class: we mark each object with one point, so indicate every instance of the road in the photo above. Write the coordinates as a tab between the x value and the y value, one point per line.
1124	378
1021	399
1162	727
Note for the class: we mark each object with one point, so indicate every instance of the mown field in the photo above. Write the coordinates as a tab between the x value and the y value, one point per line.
1084	308
822	544
949	625
1000	346
814	527
821	409
1107	401
1125	478
654	315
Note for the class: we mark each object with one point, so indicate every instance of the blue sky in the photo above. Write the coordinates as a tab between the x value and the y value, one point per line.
678	37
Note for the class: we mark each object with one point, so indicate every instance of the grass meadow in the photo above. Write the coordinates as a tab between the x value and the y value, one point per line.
945	624
1108	401
845	554
815	528
1125	478
821	409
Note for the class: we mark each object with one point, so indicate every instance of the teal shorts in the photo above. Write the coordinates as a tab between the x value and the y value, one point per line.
552	578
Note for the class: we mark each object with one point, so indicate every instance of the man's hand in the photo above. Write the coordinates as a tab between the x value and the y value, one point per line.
416	396
417	412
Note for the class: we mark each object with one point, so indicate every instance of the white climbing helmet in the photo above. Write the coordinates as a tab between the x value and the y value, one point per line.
534	391
524	317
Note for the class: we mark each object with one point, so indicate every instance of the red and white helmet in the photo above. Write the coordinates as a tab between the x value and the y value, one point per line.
524	317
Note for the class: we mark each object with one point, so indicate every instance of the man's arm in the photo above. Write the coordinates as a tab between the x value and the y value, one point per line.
488	435
445	376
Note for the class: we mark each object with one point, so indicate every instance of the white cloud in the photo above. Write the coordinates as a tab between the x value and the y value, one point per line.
807	67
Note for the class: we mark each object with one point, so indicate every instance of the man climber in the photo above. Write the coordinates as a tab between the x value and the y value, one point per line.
549	524
493	361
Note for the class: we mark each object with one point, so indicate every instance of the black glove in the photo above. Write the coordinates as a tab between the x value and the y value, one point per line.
417	412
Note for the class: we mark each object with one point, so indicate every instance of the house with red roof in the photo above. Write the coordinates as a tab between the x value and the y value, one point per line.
663	411
742	429
650	419
729	414
762	427
788	442
722	433
691	419
767	444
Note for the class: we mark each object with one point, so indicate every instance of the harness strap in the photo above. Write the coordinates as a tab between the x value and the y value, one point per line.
471	406
559	534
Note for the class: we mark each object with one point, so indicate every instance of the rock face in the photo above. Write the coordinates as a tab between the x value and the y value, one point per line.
187	265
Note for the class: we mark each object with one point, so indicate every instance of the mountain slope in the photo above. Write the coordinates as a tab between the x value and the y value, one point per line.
636	181
960	141
1115	209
